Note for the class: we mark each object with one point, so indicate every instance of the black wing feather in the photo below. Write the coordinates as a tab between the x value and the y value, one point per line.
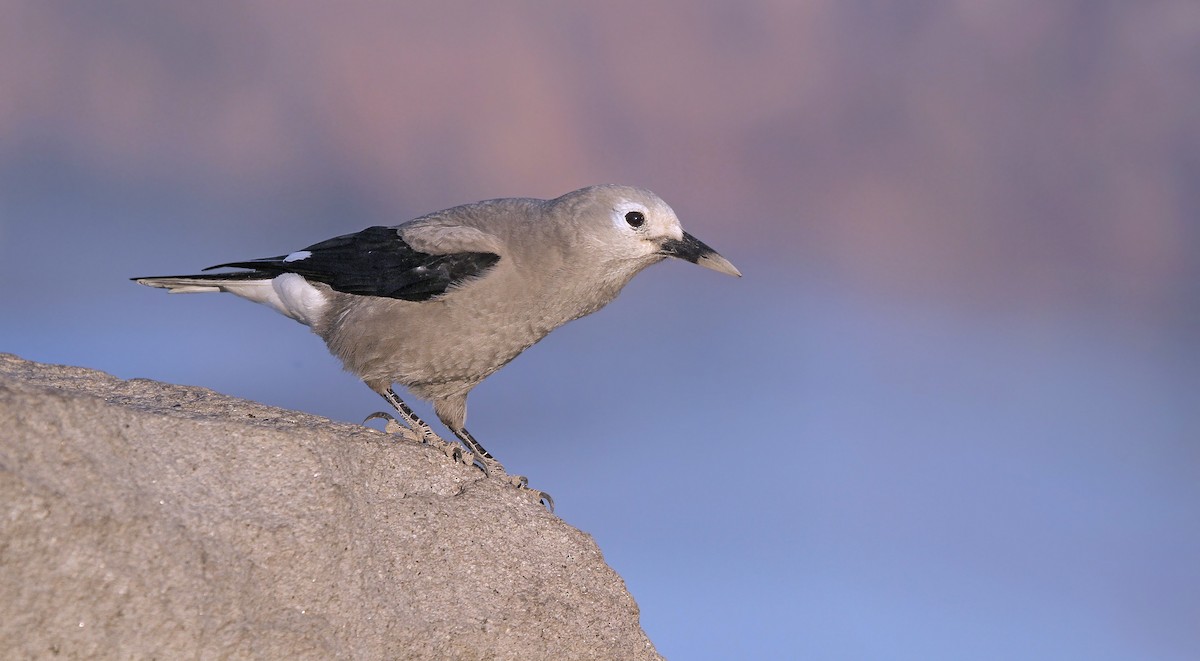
377	262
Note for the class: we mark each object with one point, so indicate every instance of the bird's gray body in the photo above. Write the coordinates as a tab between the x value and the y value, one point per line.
559	260
440	349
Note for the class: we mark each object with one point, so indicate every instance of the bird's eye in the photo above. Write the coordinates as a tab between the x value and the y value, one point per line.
635	218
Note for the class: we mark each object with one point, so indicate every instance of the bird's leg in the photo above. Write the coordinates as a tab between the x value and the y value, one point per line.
472	444
481	457
410	417
492	466
424	433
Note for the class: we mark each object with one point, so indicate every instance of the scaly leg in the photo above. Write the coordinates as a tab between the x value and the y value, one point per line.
410	418
472	444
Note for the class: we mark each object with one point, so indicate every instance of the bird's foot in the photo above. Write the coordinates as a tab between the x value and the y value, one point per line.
519	481
459	454
472	459
452	450
393	426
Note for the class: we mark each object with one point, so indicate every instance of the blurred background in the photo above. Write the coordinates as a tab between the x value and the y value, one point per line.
951	411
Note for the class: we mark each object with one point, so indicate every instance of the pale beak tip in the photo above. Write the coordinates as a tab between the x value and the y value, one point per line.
718	263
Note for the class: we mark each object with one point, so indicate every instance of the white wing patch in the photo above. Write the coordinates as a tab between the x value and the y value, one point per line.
297	256
299	299
289	294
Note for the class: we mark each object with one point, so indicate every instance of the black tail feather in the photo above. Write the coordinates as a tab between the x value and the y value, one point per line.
239	275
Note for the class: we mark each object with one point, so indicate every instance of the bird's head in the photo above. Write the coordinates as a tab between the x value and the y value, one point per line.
636	226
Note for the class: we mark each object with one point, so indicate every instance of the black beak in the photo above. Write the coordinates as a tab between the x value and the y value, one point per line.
695	251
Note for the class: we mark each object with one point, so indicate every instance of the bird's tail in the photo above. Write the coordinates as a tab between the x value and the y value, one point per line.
204	282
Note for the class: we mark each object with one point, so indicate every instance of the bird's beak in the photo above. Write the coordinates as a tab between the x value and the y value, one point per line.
695	251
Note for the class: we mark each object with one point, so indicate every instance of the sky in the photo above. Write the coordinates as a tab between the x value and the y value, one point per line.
952	409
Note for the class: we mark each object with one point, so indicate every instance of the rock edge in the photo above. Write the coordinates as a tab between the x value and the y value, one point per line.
149	520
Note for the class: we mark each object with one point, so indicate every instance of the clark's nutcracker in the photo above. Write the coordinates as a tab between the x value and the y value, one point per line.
440	302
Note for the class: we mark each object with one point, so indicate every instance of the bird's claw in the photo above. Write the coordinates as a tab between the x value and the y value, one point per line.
393	426
518	481
541	497
454	452
478	462
521	483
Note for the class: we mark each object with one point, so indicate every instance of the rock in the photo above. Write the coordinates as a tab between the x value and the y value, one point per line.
147	520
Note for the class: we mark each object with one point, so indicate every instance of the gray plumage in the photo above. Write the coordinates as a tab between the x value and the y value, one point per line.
440	302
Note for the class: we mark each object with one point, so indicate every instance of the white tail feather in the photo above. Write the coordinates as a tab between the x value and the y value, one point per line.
183	285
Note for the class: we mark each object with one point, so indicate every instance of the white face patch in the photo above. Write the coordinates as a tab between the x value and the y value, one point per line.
297	256
658	220
624	207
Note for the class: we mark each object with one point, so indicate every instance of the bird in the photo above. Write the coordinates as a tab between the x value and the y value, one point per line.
439	303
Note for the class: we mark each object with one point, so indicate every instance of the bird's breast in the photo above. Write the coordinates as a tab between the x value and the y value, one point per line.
452	342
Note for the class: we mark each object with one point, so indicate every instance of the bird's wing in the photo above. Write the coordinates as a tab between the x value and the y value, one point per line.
377	261
443	234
